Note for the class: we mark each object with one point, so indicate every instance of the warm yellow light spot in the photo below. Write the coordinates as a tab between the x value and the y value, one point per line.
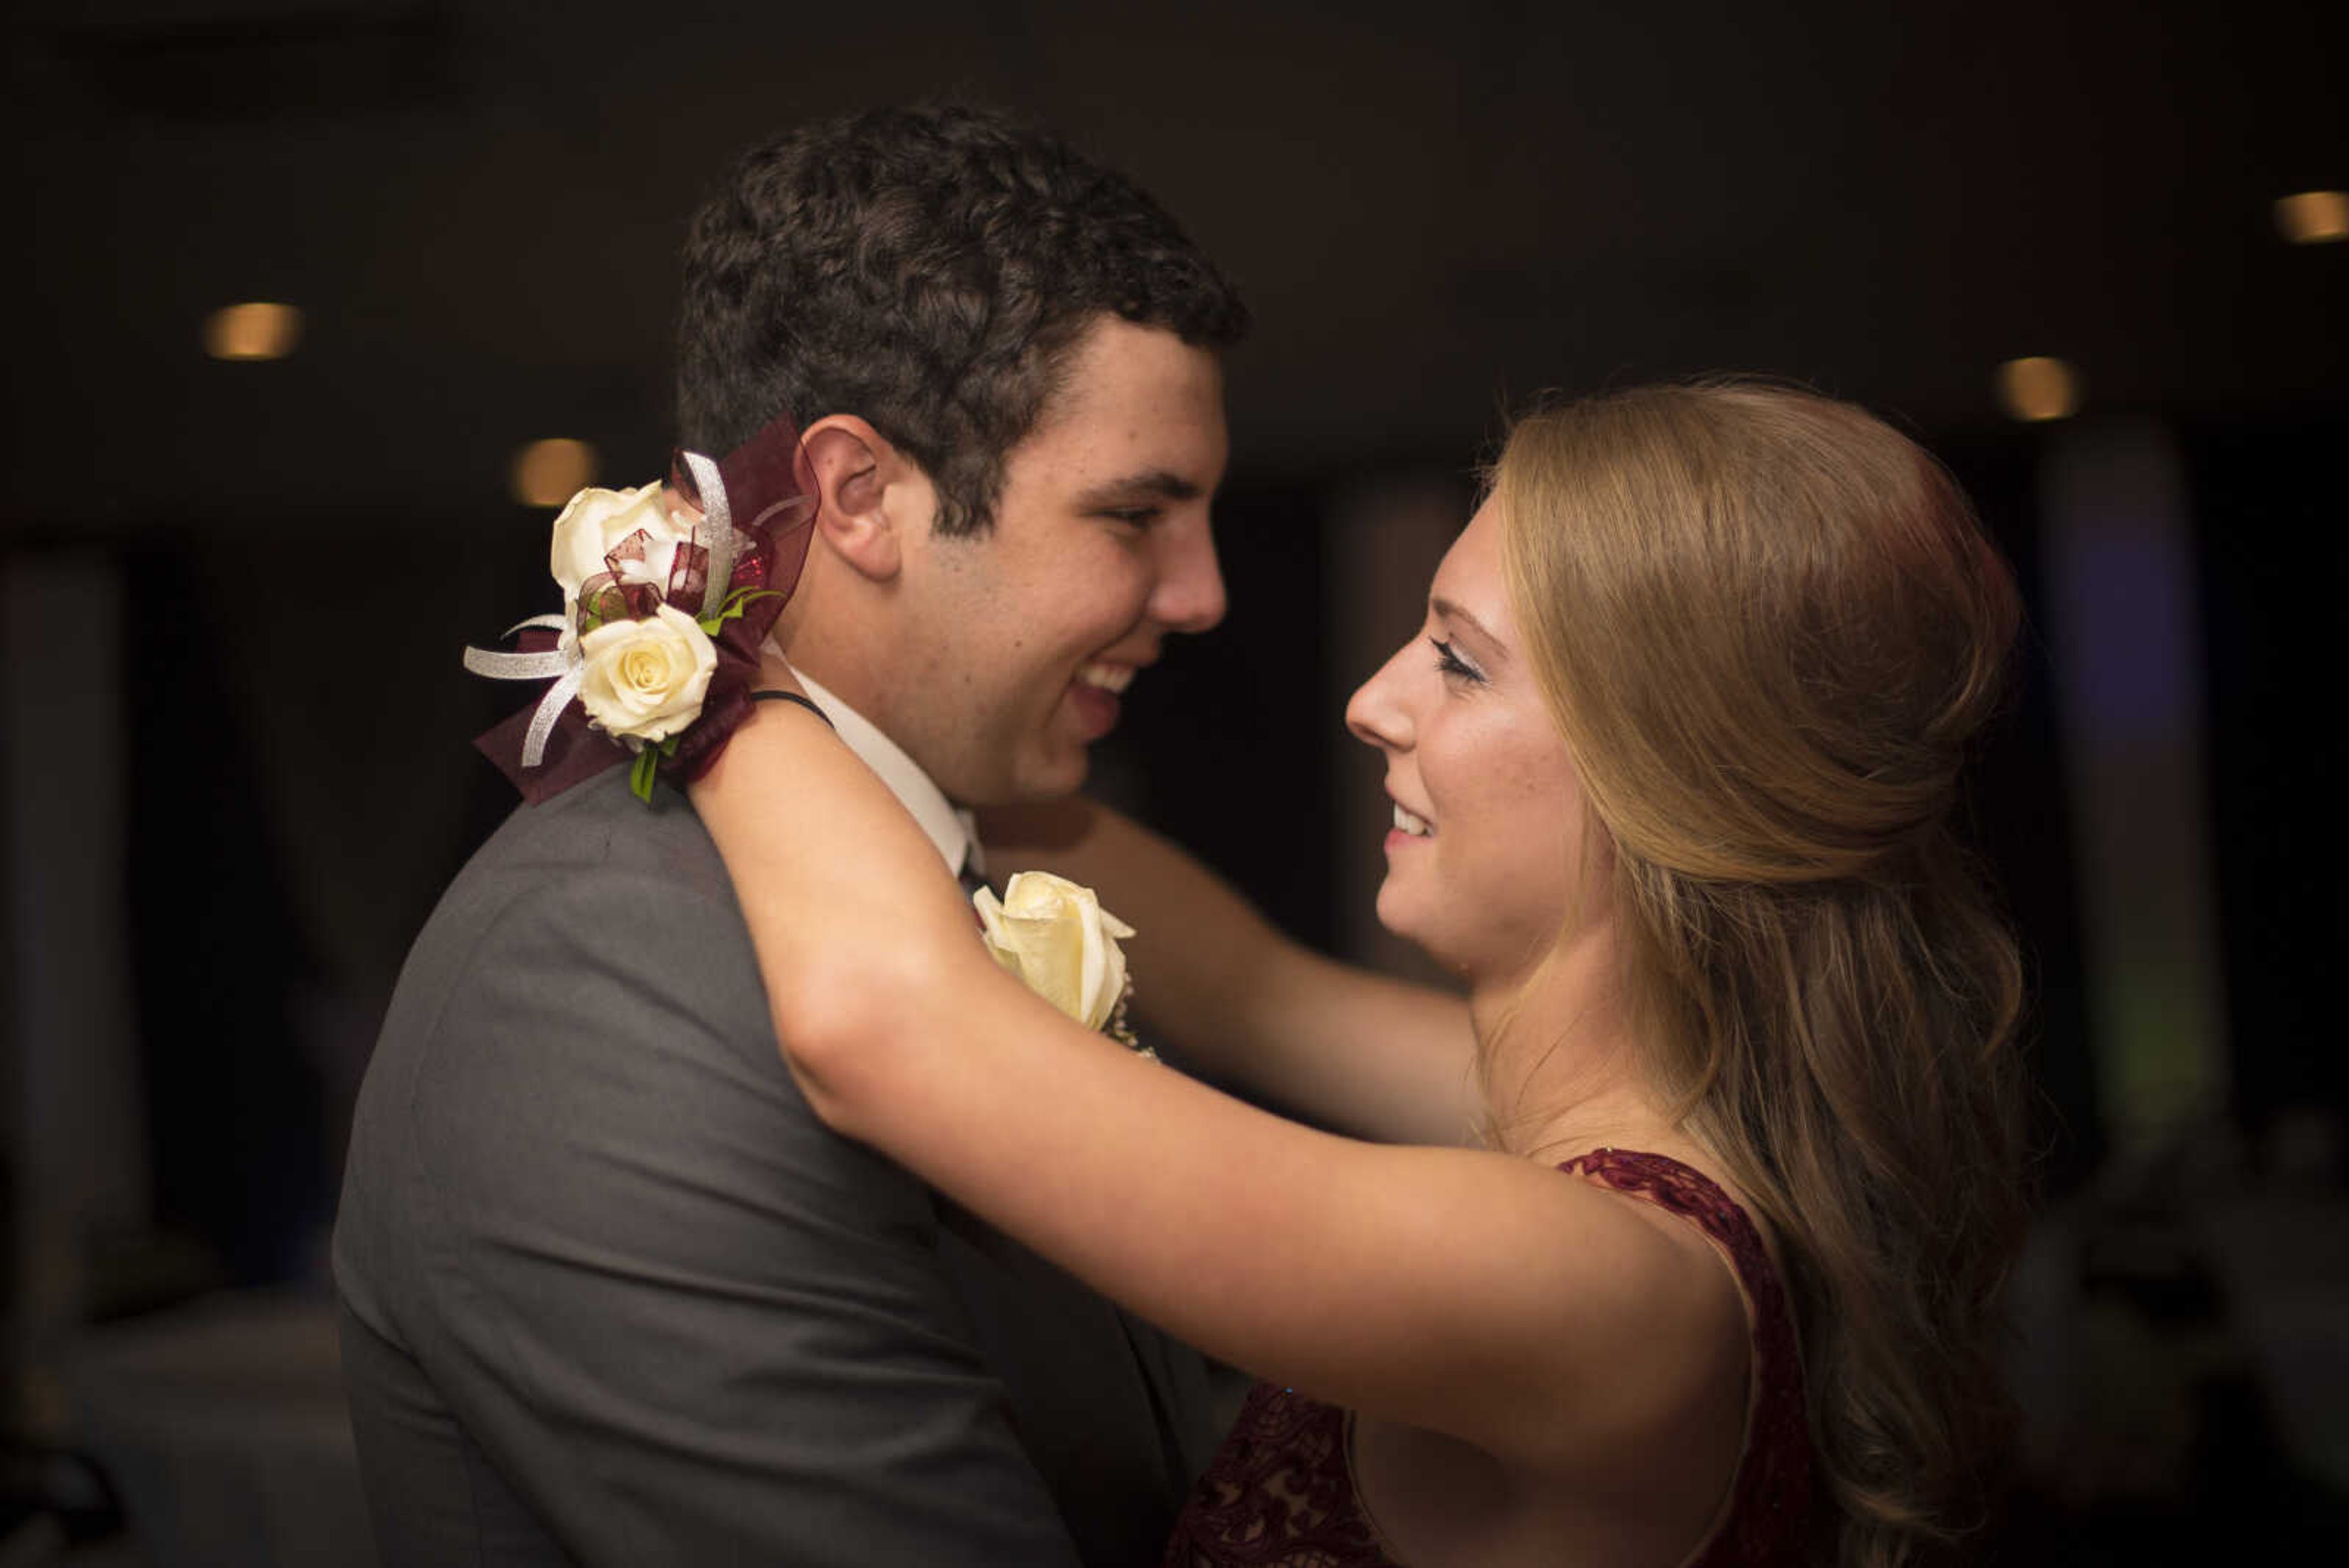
2313	217
255	330
549	472
2039	389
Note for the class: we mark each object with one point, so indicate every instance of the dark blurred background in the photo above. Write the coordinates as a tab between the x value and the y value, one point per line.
2087	253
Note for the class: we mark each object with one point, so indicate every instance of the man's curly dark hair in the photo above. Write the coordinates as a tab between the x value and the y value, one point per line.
929	269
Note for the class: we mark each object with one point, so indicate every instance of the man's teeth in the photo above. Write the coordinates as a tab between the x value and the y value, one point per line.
1108	677
1417	827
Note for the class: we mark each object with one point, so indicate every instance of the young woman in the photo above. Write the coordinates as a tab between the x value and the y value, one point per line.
1670	768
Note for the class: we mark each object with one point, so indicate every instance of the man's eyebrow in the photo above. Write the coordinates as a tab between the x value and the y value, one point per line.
1447	610
1152	484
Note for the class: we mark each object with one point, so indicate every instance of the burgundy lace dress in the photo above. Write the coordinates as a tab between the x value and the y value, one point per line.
1280	1491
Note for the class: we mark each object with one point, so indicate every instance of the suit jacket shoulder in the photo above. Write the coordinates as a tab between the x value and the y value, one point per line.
684	1321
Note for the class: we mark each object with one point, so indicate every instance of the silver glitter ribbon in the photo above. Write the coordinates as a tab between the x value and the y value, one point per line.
563	663
717	533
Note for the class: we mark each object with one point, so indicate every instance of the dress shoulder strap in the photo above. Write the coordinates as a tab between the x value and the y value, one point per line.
1684	1190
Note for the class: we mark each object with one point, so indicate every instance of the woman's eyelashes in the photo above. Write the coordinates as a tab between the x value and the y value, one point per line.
1449	663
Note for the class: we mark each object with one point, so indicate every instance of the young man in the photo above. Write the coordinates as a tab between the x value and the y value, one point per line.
611	1293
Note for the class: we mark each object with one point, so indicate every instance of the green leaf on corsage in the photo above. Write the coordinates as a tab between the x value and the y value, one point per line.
734	605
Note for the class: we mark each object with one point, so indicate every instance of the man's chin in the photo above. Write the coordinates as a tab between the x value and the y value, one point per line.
1032	782
1063	778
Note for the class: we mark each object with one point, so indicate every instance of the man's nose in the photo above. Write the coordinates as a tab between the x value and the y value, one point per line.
1190	593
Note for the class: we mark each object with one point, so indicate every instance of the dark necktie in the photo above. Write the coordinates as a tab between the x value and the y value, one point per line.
973	874
972	881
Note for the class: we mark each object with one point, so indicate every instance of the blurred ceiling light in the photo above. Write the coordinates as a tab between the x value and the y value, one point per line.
2313	217
255	330
2038	389
549	472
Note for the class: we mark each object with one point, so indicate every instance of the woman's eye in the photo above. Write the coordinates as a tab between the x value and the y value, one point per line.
1449	662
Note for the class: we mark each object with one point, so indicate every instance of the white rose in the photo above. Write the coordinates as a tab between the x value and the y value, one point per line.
647	678
1055	936
596	522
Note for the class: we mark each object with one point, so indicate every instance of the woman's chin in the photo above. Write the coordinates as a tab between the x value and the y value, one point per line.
1396	917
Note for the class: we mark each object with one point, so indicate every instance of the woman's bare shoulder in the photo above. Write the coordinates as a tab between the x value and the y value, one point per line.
1653	1362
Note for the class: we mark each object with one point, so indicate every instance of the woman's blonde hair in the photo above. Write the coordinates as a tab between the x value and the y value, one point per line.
1768	626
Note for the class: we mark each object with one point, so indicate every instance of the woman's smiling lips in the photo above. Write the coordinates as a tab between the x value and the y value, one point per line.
1409	826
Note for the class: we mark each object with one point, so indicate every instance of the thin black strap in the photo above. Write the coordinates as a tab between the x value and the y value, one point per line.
773	696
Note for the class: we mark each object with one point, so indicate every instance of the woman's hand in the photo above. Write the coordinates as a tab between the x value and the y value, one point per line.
858	926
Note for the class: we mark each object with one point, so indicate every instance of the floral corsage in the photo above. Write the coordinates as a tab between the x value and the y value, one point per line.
667	593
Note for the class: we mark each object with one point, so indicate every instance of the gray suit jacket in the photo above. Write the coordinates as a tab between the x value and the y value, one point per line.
612	1294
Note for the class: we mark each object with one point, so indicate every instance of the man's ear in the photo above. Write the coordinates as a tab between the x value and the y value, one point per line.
867	494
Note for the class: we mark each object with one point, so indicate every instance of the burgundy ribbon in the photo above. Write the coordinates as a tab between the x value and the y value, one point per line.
757	505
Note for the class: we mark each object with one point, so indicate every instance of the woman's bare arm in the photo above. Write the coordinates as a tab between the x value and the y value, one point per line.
1469	1293
1241	1002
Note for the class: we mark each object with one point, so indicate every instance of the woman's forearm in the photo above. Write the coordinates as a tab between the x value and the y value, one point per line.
855	924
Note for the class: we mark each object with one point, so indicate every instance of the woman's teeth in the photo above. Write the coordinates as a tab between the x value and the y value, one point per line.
1110	678
1417	827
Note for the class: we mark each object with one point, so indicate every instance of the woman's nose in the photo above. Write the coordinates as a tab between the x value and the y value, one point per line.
1375	712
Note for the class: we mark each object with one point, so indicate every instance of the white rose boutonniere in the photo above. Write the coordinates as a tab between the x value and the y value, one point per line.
645	680
1053	934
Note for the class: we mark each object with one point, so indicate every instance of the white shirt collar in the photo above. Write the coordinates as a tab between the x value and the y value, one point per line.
949	827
